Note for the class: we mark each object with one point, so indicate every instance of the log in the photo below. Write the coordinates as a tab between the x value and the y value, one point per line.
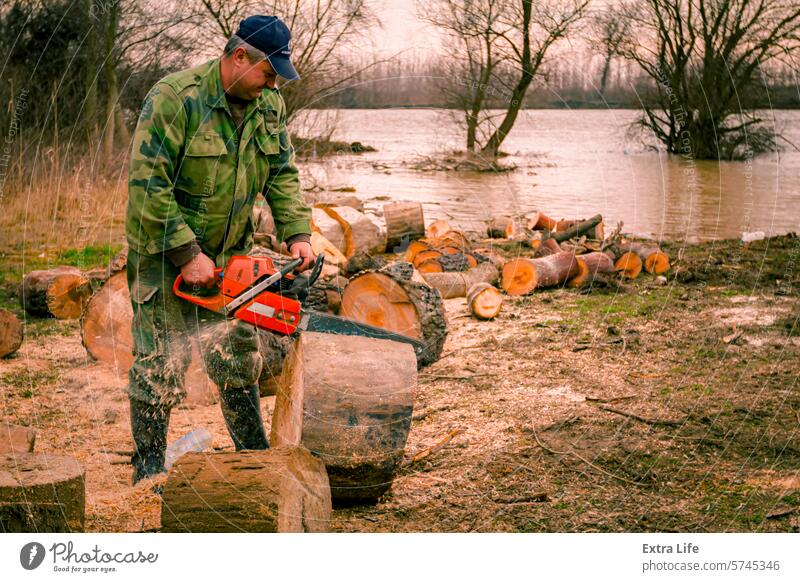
16	439
282	489
333	256
351	201
501	227
597	232
61	292
430	266
389	300
437	229
484	301
360	233
405	222
273	348
426	255
546	248
452	237
539	221
329	228
414	248
349	400
452	285
629	265
655	260
578	229
11	333
521	276
41	493
592	265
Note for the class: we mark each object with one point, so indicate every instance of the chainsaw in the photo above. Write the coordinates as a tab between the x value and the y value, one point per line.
254	290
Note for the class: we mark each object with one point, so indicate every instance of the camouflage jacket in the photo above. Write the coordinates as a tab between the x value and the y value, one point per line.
192	178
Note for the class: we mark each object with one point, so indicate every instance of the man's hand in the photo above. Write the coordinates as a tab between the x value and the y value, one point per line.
199	272
302	249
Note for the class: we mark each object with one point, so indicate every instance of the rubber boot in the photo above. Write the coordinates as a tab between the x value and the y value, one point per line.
149	429
241	409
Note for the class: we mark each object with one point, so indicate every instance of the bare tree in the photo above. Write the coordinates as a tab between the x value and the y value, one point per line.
497	48
323	31
705	57
608	29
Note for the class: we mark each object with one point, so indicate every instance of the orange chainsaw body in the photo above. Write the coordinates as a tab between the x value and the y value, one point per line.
266	310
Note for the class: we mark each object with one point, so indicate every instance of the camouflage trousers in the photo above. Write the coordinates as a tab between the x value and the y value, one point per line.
164	329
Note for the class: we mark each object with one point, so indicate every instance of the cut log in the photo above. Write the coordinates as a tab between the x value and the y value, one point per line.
329	228
655	260
273	348
11	333
333	256
597	232
539	221
282	489
452	285
629	265
362	262
351	201
484	301
16	439
41	494
578	229
360	233
60	292
437	229
349	400
415	247
427	255
592	265
430	266
501	227
521	276
388	300
404	222
483	254
546	248
452	237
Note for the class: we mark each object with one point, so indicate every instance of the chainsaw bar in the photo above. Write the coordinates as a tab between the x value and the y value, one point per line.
327	323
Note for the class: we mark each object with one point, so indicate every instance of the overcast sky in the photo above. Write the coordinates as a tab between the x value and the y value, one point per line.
401	29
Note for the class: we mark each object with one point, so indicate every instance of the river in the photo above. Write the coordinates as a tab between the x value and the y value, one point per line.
570	164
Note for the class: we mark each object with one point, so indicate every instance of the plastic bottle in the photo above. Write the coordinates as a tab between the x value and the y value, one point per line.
193	442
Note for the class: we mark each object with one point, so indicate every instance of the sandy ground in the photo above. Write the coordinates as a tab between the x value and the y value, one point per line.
633	408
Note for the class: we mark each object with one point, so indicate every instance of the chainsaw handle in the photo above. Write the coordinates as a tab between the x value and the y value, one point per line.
176	286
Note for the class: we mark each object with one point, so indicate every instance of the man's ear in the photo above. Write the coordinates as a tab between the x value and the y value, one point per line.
240	56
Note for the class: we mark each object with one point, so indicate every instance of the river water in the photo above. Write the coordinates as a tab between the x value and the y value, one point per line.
570	164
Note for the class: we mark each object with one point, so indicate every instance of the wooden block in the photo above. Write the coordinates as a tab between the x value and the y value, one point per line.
16	439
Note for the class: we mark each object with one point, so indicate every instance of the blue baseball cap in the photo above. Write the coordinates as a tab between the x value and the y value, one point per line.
272	37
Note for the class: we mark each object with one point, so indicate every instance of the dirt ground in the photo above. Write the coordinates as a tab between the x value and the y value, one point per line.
633	407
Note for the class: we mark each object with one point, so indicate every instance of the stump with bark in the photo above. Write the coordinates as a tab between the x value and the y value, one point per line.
349	400
592	266
386	299
61	292
11	333
655	261
41	493
629	265
484	301
405	222
522	276
16	439
282	489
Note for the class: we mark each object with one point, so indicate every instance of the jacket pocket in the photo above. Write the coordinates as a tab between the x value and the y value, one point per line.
145	327
203	154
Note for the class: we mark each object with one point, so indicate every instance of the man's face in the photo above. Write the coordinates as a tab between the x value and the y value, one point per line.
249	79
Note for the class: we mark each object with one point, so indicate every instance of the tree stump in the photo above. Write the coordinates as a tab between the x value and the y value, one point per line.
521	276
41	493
349	400
501	227
386	299
61	292
405	222
484	301
283	489
11	333
591	265
16	439
452	285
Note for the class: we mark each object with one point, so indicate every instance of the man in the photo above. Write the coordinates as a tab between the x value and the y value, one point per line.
208	141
